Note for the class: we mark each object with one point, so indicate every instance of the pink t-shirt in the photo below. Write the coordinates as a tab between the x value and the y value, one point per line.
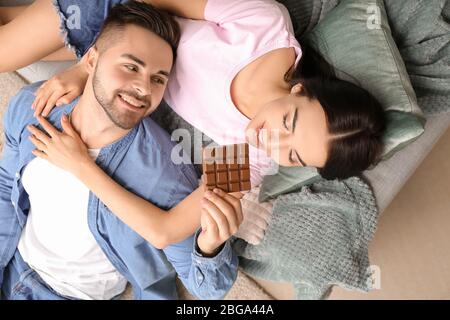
211	53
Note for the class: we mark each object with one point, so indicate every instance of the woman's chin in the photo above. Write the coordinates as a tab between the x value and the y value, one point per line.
264	149
252	139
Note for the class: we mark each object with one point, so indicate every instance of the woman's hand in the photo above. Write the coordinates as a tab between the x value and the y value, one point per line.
60	89
220	219
63	149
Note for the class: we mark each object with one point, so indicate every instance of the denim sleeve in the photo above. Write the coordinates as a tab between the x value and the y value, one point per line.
205	278
9	225
186	183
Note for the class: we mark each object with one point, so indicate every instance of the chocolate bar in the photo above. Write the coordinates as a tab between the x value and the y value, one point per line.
227	167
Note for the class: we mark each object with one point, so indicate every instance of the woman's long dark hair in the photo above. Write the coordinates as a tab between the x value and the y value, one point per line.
355	119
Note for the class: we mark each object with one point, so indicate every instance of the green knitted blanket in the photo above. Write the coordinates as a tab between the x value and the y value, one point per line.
317	237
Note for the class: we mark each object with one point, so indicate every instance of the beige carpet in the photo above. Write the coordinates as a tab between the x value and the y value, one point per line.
245	288
10	83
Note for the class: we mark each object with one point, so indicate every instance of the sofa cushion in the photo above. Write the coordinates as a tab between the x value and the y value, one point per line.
306	14
356	39
421	29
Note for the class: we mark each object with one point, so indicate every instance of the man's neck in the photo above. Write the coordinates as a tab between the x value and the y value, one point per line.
93	124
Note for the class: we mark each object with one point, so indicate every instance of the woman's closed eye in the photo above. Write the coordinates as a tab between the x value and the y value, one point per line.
291	158
285	122
290	127
294	158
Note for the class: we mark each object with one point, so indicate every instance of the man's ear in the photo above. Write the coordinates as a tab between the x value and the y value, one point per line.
91	59
297	88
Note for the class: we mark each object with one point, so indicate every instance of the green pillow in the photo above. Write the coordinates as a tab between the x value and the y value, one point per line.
356	39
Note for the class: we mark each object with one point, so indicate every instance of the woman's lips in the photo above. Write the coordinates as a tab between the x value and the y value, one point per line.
261	136
253	136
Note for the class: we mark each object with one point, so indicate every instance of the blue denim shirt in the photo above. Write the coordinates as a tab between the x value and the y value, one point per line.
141	163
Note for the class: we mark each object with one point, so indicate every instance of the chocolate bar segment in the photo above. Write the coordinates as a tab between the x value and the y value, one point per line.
227	167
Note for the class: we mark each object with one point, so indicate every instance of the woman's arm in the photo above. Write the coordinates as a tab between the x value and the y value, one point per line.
31	35
192	9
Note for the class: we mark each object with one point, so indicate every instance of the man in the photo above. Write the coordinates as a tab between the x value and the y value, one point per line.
57	240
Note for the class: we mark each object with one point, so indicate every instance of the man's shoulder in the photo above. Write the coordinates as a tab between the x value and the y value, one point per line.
154	174
23	100
26	94
19	112
156	134
155	138
31	88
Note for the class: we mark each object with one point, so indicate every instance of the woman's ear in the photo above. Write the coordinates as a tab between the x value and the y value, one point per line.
297	88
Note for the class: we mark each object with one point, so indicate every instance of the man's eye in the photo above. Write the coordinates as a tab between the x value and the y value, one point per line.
131	67
159	80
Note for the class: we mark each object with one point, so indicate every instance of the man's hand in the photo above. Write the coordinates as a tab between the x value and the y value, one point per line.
220	219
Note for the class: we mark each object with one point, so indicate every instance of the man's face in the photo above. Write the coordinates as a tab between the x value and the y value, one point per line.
130	77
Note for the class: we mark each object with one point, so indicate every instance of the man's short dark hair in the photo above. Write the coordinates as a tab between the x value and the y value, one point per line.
143	15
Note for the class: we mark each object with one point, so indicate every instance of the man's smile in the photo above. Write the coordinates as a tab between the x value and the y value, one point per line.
131	102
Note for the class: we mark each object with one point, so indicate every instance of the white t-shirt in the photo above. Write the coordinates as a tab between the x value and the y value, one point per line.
210	55
56	241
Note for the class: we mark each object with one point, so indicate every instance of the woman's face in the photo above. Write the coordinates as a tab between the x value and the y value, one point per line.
292	130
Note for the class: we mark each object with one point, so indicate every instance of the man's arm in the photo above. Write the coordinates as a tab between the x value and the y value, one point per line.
9	226
207	278
206	262
192	9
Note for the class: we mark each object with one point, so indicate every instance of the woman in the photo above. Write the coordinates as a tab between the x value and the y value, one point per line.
240	75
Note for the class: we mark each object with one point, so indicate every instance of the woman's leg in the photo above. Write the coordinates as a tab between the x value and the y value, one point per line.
62	54
30	36
7	14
